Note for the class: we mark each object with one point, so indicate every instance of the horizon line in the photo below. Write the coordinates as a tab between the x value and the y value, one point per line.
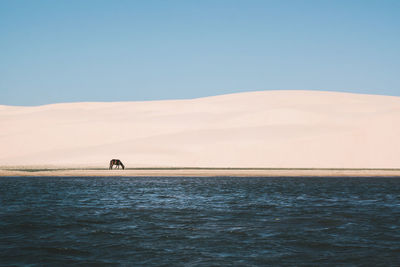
207	96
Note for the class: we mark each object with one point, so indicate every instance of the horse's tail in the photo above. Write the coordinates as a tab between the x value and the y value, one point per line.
123	167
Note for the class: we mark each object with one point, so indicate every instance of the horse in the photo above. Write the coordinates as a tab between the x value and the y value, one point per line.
117	163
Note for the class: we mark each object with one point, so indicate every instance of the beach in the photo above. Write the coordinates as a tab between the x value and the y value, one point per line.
196	172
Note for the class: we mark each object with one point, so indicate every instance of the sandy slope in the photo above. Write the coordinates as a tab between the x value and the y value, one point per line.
289	129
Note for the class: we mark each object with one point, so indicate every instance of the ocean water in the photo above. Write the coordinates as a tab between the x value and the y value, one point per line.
131	221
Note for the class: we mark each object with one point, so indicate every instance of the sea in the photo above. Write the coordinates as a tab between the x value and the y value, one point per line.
199	221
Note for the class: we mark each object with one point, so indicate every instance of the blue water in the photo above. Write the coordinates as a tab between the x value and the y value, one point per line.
199	221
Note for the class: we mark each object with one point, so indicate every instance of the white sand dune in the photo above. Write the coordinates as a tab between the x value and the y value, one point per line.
271	129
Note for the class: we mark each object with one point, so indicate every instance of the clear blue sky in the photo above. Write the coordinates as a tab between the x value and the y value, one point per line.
68	51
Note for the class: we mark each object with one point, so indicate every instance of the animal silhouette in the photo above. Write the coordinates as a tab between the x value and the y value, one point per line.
117	163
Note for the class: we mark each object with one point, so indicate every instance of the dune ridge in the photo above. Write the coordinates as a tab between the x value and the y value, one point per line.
266	129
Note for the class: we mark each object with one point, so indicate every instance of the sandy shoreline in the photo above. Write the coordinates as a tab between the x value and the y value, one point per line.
198	172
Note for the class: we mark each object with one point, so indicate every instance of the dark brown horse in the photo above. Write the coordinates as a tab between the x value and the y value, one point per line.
117	163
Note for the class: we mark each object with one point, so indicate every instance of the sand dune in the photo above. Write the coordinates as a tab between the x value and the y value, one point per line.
270	129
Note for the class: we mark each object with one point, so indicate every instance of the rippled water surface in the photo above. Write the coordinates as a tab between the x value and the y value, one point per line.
199	221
